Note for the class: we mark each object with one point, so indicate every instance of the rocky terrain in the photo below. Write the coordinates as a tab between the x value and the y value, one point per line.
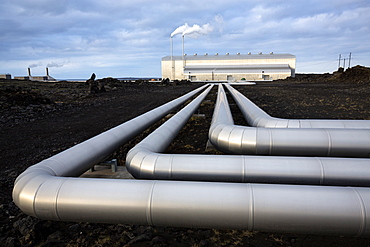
40	119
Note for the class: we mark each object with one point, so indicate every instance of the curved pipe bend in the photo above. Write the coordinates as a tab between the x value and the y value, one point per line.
146	161
41	192
260	207
234	139
50	174
247	206
158	140
256	117
145	164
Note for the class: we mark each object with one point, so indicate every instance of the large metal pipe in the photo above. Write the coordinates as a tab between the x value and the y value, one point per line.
230	138
77	159
256	117
251	169
260	207
147	161
41	192
159	139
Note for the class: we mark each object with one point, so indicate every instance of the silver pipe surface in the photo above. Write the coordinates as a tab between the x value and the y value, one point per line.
259	207
256	117
146	161
41	192
234	139
77	159
161	138
251	169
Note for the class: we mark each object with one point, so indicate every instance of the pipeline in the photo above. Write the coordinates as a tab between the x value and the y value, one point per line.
146	161
159	139
77	159
256	117
251	169
259	207
44	191
234	139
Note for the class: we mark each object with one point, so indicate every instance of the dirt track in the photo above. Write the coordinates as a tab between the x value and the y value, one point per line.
60	115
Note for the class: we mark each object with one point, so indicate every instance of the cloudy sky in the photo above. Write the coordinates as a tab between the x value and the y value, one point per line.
121	38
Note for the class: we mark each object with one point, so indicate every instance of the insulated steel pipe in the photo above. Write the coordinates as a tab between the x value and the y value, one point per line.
230	138
146	164
41	192
256	117
259	207
77	159
159	139
146	161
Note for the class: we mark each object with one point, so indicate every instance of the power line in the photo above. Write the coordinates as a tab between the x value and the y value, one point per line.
313	64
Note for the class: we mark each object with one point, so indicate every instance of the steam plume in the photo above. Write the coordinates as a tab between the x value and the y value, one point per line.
180	30
55	64
34	65
194	31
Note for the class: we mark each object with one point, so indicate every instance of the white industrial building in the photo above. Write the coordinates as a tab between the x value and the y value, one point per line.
251	67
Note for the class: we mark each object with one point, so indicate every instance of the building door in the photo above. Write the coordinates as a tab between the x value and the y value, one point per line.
229	78
266	77
193	78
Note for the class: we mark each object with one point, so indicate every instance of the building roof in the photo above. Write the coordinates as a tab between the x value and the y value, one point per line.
227	57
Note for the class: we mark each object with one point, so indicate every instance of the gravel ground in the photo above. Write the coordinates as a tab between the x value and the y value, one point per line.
38	120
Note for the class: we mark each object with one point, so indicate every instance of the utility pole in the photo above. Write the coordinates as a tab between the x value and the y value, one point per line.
344	63
349	62
339	60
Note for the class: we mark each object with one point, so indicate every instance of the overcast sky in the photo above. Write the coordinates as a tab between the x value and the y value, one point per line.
121	38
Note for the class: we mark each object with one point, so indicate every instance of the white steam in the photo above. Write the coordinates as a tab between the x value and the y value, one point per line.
55	64
180	30
193	31
49	65
34	65
196	30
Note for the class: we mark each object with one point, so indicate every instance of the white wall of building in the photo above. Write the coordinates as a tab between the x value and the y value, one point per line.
215	67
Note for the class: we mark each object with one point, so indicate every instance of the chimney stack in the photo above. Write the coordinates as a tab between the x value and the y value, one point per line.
47	71
29	72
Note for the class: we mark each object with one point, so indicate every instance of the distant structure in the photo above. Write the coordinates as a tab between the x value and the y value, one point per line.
46	77
6	76
229	67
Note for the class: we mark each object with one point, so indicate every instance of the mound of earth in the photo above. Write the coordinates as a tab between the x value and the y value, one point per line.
355	75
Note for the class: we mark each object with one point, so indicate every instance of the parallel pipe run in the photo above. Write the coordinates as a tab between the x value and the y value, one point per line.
256	117
160	138
146	161
275	208
234	139
77	159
